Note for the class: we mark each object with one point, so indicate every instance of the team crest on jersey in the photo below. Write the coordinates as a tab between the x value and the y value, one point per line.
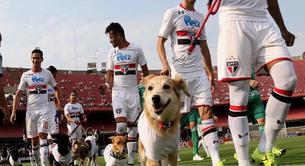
38	88
232	65
124	68
118	110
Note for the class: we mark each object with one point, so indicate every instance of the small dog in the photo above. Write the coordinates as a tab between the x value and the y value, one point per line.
61	152
87	148
14	158
115	153
159	123
4	155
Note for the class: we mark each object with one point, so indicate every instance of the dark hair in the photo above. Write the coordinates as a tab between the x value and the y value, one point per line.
38	51
115	28
0	37
52	69
73	91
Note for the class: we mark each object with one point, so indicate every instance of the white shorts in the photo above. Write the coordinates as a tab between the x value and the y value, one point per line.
53	126
200	90
246	44
77	133
36	122
126	104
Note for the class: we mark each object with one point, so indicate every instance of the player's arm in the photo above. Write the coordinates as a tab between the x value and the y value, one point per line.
3	104
109	78
206	58
16	103
162	55
83	117
57	98
275	12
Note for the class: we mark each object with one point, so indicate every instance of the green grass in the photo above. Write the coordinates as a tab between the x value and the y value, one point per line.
295	154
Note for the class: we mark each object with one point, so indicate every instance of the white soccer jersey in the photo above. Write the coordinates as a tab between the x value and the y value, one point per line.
124	62
182	25
36	85
74	110
254	10
156	147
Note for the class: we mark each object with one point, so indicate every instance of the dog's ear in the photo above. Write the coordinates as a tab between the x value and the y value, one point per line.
111	138
147	78
180	85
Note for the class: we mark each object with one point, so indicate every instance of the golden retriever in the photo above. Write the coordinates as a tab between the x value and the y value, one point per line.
159	123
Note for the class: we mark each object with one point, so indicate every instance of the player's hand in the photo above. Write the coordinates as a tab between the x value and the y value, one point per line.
85	119
253	84
212	82
165	71
288	37
13	117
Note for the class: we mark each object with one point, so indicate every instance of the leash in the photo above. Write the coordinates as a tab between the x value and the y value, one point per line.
134	123
213	7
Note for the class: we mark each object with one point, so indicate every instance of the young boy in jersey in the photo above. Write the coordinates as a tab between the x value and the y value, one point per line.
181	24
122	65
74	114
3	102
247	38
35	81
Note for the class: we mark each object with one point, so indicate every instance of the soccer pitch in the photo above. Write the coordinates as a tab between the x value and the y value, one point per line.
295	154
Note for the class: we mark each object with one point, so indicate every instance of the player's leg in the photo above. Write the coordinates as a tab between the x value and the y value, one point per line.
134	107
53	130
238	121
194	133
32	133
43	128
202	99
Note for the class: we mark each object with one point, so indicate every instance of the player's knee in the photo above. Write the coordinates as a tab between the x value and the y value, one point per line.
121	128
240	89
284	75
43	142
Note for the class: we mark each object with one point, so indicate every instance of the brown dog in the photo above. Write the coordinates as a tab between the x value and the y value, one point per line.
159	124
115	153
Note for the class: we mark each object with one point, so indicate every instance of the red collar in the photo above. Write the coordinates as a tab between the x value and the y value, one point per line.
166	125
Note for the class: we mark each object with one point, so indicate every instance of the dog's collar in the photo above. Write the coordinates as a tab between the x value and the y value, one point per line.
117	156
166	125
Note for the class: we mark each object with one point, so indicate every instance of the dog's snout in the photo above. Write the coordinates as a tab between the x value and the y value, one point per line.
156	99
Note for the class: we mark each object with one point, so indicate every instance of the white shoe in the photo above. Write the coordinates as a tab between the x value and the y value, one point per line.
197	158
178	158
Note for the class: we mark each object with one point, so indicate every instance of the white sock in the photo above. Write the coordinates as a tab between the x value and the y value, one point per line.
206	149
240	133
276	113
36	155
212	142
43	151
131	149
32	162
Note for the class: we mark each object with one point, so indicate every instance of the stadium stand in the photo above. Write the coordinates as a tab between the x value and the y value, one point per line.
97	101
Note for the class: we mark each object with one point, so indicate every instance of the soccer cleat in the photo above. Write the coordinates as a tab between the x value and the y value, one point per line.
258	157
278	152
220	163
178	158
235	156
270	159
197	158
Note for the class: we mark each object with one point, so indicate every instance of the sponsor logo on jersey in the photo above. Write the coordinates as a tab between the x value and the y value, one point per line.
191	23
37	79
74	107
122	57
232	65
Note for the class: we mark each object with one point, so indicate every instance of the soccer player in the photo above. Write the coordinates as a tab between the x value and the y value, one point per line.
122	65
3	102
181	24
74	114
35	82
248	38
